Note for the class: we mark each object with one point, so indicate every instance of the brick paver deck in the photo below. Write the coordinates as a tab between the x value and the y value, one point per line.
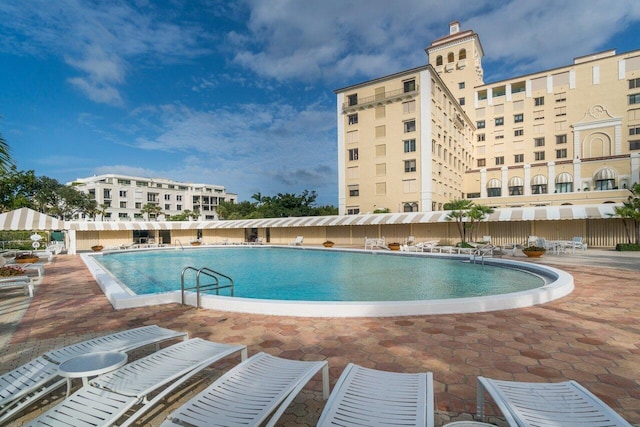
592	336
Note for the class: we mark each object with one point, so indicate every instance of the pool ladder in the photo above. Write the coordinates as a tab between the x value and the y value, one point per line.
482	252
212	274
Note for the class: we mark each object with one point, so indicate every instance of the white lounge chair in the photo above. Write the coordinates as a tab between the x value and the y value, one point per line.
380	243
13	282
110	396
297	242
368	397
547	404
249	393
33	380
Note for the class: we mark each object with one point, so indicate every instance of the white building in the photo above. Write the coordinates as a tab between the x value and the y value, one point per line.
124	196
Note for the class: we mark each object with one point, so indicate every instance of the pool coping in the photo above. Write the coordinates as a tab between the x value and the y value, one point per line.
562	284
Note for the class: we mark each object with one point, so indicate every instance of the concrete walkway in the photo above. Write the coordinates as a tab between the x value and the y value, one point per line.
592	336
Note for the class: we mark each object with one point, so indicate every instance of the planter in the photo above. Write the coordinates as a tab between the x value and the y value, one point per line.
394	246
27	260
328	244
195	243
534	254
97	248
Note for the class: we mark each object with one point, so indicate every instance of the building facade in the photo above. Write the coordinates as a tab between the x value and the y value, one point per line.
569	135
124	196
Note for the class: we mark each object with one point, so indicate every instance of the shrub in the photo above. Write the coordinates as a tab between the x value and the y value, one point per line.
26	256
534	249
12	270
627	247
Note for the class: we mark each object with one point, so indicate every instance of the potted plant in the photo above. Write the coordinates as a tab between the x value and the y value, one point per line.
97	248
195	242
27	258
328	244
12	270
394	246
534	251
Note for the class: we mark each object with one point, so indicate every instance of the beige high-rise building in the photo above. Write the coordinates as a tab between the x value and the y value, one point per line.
417	139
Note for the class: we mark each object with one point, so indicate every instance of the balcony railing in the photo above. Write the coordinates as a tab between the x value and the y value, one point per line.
379	97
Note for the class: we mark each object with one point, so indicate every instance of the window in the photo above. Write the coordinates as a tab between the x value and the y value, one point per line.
410	165
518	158
410	126
561	154
167	207
409	86
500	136
538	115
178	207
539	155
634	83
354	190
122	193
461	101
461	85
481	137
408	107
352	99
561	139
494	192
516	190
482	163
539	189
480	124
634	99
107	203
353	119
634	131
138	205
106	193
439	60
409	145
518	132
353	154
179	198
561	111
499	160
462	54
167	196
124	181
561	97
538	142
564	187
123	205
634	145
538	101
123	215
605	184
518	118
499	121
450	57
381	188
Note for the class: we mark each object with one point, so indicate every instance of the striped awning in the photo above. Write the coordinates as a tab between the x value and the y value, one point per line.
494	183
539	180
564	178
507	214
516	181
28	219
604	174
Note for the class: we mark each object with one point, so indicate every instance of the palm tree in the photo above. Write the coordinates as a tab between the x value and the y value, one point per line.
151	210
5	155
459	210
630	214
476	214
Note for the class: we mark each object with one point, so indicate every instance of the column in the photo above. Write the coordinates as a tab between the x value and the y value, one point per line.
505	182
577	177
551	177
483	183
527	179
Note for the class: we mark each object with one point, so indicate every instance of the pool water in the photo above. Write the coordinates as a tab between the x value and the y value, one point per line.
317	275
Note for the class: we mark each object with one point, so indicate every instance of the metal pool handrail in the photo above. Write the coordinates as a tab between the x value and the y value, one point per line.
211	286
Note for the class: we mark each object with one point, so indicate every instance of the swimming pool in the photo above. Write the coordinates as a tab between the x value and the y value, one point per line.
301	281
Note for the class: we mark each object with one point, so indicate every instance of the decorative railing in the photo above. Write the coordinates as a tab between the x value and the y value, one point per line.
379	97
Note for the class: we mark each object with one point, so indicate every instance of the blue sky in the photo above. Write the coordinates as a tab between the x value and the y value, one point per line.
240	93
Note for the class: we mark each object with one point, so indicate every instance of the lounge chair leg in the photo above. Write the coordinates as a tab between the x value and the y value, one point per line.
325	382
480	402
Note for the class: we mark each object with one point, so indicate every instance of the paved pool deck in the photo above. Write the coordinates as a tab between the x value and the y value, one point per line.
591	336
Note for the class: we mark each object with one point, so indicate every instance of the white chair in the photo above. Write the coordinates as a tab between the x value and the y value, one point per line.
577	243
547	404
250	393
140	384
35	379
369	397
297	242
14	282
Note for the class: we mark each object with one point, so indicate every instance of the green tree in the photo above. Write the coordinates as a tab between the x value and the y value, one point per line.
459	210
630	214
17	189
151	210
61	201
476	214
5	155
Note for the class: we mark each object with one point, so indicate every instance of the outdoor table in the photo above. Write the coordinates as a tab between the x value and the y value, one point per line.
90	365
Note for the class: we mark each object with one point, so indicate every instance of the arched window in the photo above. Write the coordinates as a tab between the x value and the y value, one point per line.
450	57
438	60
411	207
516	186
539	184
462	54
494	188
564	183
605	179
